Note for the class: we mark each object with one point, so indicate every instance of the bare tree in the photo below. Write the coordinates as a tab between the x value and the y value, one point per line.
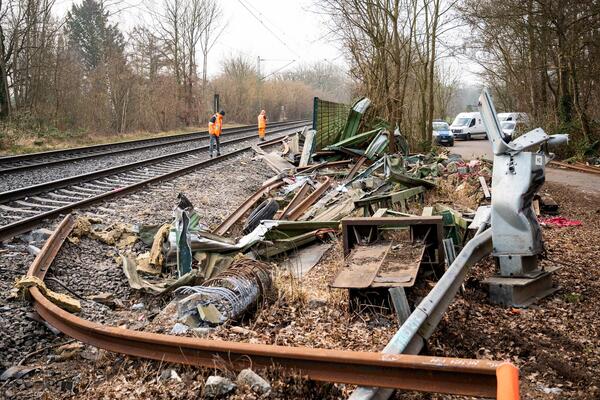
392	46
540	56
213	28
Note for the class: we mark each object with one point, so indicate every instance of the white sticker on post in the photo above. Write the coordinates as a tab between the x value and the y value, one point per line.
539	160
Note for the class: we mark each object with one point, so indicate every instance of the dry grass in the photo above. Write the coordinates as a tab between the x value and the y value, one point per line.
19	141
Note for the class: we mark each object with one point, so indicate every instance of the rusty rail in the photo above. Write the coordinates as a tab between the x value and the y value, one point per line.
297	211
577	167
408	372
245	207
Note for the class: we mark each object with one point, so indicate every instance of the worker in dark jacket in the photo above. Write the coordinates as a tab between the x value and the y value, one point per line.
215	127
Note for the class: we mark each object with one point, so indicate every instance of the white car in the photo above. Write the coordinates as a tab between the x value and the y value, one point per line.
508	128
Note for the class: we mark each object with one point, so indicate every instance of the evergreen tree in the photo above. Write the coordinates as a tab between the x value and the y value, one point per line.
91	35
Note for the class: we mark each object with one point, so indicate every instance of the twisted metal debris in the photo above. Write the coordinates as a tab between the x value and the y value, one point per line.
232	292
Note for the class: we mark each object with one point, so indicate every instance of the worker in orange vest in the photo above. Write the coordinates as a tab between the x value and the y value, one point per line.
215	127
262	124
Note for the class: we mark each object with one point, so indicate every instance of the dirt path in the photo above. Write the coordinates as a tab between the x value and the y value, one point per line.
587	183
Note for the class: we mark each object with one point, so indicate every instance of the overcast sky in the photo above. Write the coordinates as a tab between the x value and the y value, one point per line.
277	31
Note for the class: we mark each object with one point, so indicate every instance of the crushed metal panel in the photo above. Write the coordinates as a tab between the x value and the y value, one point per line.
362	266
305	259
400	265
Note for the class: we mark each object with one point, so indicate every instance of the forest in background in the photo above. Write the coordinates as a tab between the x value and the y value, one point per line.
82	72
541	57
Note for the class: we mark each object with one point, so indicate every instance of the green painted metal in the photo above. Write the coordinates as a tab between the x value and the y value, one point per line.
354	140
394	197
289	229
329	120
356	113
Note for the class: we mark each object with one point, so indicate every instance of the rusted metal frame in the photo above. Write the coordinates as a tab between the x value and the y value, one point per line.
356	168
310	200
297	199
245	207
23	225
418	224
421	324
421	373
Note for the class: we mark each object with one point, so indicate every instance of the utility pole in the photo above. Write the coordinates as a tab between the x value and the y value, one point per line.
258	84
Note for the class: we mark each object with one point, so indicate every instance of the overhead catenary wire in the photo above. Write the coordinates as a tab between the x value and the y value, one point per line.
247	5
275	35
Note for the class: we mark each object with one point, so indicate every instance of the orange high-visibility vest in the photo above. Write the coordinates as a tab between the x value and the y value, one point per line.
262	121
215	128
218	127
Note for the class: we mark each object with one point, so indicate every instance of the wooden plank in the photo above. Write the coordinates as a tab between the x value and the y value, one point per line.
536	207
307	148
484	186
380	213
427	212
362	266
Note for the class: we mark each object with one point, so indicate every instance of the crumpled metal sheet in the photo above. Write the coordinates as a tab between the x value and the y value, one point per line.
207	242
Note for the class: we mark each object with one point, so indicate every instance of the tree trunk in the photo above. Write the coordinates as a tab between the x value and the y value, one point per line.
4	94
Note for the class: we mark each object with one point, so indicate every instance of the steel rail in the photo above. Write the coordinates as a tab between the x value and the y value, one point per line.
24	225
87	152
576	167
27	191
407	372
245	207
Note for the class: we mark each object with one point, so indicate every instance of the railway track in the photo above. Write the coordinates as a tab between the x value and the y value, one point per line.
469	377
24	208
23	162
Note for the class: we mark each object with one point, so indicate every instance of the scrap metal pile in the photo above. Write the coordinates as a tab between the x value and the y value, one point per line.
402	224
400	215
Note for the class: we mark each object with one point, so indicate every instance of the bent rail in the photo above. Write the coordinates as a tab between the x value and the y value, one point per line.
408	372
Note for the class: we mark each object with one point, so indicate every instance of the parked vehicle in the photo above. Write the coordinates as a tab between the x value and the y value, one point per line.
442	134
512	129
514	116
508	128
468	125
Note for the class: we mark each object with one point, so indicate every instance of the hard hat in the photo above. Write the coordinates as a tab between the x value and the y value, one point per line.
222	112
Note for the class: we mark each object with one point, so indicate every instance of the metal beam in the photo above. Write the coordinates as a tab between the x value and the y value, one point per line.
425	318
421	373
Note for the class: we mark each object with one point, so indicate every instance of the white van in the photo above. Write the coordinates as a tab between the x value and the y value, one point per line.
514	116
468	125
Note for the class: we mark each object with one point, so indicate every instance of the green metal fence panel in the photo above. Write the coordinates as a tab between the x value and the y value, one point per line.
329	120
